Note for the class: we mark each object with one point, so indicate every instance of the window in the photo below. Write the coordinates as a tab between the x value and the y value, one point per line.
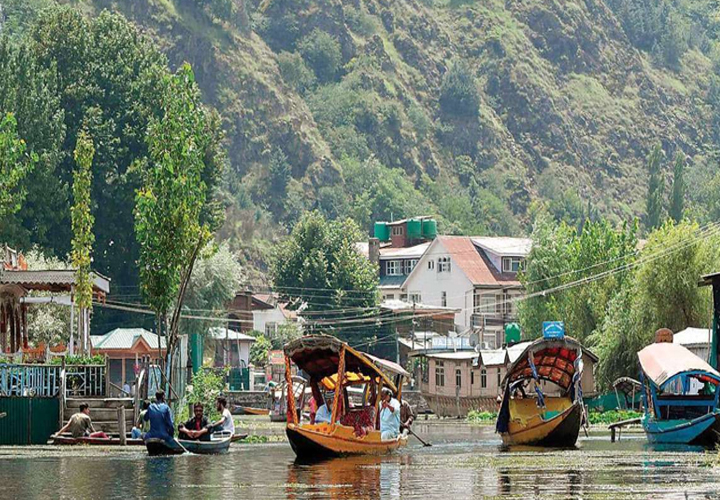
397	230
410	265
499	303
416	298
443	299
458	377
483	378
444	265
389	296
512	264
270	328
439	374
392	268
472	377
403	297
431	264
499	377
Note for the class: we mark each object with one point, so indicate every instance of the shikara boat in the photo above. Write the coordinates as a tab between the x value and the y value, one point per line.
301	391
112	441
680	395
553	412
248	410
238	437
332	365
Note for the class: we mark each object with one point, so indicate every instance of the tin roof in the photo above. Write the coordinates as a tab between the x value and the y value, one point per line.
125	338
503	245
693	336
220	333
474	264
50	280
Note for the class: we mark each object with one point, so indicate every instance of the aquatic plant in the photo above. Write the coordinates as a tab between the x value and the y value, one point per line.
477	416
612	416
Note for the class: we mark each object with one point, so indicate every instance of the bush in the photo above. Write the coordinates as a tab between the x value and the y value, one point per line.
459	95
295	72
612	416
322	53
476	416
207	385
97	359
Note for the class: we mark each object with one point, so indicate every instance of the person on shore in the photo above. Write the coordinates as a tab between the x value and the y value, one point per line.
389	416
407	416
197	428
80	425
160	418
324	413
126	389
141	425
226	422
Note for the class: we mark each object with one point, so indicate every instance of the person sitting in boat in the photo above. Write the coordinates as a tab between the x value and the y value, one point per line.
160	418
407	416
80	425
197	428
226	423
141	426
324	413
389	416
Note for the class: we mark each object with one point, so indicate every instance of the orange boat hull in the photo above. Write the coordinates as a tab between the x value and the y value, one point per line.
324	440
562	430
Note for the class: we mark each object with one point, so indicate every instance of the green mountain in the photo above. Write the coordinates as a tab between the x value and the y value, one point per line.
475	111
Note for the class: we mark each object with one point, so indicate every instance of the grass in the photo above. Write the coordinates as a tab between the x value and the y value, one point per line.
611	416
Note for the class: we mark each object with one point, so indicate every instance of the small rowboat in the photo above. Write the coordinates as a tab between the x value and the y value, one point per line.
212	447
333	365
238	437
247	410
219	443
114	441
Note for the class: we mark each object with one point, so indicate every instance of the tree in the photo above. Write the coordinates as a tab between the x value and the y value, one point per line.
259	349
459	95
295	72
15	164
319	267
677	202
656	187
176	210
83	237
322	53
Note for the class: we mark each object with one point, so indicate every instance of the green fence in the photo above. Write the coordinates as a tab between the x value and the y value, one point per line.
28	420
239	379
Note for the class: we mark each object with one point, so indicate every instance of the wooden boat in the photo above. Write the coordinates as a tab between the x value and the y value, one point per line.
247	410
680	396
113	441
333	365
238	437
213	447
159	447
553	414
279	398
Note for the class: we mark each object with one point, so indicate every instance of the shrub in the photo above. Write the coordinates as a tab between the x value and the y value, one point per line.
295	72
476	416
459	95
322	53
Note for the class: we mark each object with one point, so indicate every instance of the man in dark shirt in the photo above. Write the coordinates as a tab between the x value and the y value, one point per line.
197	427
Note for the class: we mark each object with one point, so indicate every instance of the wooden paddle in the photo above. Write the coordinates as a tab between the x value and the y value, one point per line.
418	437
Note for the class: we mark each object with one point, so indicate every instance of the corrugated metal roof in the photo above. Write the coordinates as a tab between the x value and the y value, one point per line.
391	281
404	252
473	263
219	333
453	355
503	245
493	357
64	277
125	338
693	336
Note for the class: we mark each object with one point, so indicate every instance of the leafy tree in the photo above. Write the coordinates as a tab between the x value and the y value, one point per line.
15	164
677	202
459	95
322	53
295	72
83	237
175	212
656	188
319	267
259	349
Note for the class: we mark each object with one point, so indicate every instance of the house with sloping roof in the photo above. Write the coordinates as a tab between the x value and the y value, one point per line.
229	348
127	349
477	275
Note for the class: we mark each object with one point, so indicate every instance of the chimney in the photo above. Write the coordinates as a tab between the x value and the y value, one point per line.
374	250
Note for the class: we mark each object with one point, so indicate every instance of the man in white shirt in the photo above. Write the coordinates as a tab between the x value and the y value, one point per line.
389	416
324	413
226	422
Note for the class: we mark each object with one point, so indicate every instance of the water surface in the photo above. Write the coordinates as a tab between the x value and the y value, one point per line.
464	462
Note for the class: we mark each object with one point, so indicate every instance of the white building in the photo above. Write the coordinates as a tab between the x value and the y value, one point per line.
229	347
268	314
696	340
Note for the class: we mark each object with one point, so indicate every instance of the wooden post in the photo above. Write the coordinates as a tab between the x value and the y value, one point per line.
121	425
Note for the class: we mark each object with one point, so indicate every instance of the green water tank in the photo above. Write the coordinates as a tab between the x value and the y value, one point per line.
414	229
512	333
429	228
382	231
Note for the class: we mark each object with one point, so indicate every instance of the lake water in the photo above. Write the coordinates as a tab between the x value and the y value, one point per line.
464	462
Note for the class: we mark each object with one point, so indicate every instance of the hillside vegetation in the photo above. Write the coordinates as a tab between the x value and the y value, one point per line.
477	112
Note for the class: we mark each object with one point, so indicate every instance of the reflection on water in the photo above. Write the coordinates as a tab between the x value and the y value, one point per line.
464	462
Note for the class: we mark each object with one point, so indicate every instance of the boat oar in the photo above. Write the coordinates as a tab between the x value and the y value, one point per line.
418	437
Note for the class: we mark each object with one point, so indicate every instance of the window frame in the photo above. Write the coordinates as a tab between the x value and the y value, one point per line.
439	374
443	298
444	265
514	264
458	377
396	268
483	378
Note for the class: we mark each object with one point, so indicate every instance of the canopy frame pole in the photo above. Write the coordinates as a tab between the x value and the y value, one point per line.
378	399
291	412
338	386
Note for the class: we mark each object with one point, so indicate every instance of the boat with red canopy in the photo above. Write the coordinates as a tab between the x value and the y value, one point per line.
334	366
542	401
680	395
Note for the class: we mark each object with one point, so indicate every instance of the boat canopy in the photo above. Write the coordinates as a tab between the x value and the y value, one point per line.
627	385
553	359
319	357
663	362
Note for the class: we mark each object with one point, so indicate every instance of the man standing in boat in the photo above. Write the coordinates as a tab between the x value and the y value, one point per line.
160	418
389	416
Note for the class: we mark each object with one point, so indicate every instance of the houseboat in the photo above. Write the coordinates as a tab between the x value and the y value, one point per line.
542	393
332	365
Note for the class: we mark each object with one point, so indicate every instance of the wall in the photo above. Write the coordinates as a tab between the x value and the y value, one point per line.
28	420
261	317
430	284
